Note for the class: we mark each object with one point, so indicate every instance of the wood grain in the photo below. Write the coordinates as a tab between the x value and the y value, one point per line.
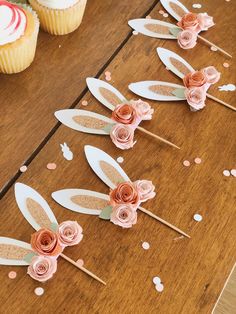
57	77
193	271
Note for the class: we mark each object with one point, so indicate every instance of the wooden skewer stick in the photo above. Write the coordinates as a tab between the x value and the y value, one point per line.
82	268
220	102
211	44
163	221
157	137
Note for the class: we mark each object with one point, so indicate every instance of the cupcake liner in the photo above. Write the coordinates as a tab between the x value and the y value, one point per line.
60	22
17	56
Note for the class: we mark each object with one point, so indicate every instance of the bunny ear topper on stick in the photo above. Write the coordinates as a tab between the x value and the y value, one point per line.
128	114
47	244
185	32
121	209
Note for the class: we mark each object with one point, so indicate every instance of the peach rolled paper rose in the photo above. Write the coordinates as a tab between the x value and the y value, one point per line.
211	74
125	193
196	97
187	39
124	215
205	21
145	189
126	114
46	242
190	21
70	233
143	109
197	79
122	135
42	268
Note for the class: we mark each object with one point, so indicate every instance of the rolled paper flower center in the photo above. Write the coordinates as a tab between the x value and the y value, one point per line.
46	242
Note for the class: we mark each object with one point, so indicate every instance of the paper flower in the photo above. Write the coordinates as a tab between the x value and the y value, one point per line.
143	109
125	193
70	233
126	114
122	135
145	189
42	268
211	74
124	215
196	97
190	21
187	39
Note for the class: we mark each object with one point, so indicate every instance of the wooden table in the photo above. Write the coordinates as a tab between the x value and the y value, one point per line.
193	271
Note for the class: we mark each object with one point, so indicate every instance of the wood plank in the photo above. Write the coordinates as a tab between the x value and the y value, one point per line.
193	271
57	77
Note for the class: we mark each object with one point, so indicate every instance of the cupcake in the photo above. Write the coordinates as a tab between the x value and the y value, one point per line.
19	28
59	17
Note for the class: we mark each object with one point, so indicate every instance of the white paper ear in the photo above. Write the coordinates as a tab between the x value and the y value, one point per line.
174	62
34	207
13	252
105	93
105	167
157	90
82	201
153	28
85	121
175	8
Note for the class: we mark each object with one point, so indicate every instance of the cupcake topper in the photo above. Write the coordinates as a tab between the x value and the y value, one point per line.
196	83
125	197
185	32
47	244
126	116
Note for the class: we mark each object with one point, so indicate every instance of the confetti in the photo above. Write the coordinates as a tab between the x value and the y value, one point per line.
39	291
148	17
197	217
107	73
197	160
226	88
108	78
160	287
23	168
145	245
161	12
197	6
226	173
186	163
120	160
156	280
12	274
51	166
213	48
233	172
135	33
225	65
80	262
84	103
165	14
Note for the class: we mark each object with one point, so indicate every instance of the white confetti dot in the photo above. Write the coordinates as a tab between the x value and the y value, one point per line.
226	173
213	48
135	33
156	280
23	168
197	217
145	245
39	291
165	14
186	163
120	160
160	287
197	5
233	172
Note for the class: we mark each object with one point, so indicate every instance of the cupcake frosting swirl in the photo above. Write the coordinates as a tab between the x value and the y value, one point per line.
57	4
13	22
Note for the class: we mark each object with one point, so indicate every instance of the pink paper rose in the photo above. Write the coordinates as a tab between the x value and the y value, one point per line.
125	193
143	109
187	39
211	74
197	78
122	135
205	21
126	114
42	268
145	189
70	233
196	97
190	22
124	215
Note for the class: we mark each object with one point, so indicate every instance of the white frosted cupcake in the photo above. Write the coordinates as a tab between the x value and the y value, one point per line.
19	28
59	17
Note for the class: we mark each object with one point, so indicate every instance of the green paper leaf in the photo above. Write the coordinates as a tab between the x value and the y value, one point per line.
106	213
175	31
179	92
28	257
54	226
108	128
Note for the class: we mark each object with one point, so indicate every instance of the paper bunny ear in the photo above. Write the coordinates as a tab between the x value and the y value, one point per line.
153	28
85	121
34	207
105	93
105	167
157	90
174	62
175	8
14	252
82	201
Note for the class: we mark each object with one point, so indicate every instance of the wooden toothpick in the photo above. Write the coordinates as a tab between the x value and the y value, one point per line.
82	268
221	102
163	221
157	137
211	44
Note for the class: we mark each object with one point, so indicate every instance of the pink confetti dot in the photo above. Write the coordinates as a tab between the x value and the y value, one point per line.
12	274
227	0
59	46
197	160
213	48
161	12
23	168
226	173
108	78
80	262
135	33
148	17
107	73
51	166
225	65
145	245
233	172
39	291
165	14
186	163
84	103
